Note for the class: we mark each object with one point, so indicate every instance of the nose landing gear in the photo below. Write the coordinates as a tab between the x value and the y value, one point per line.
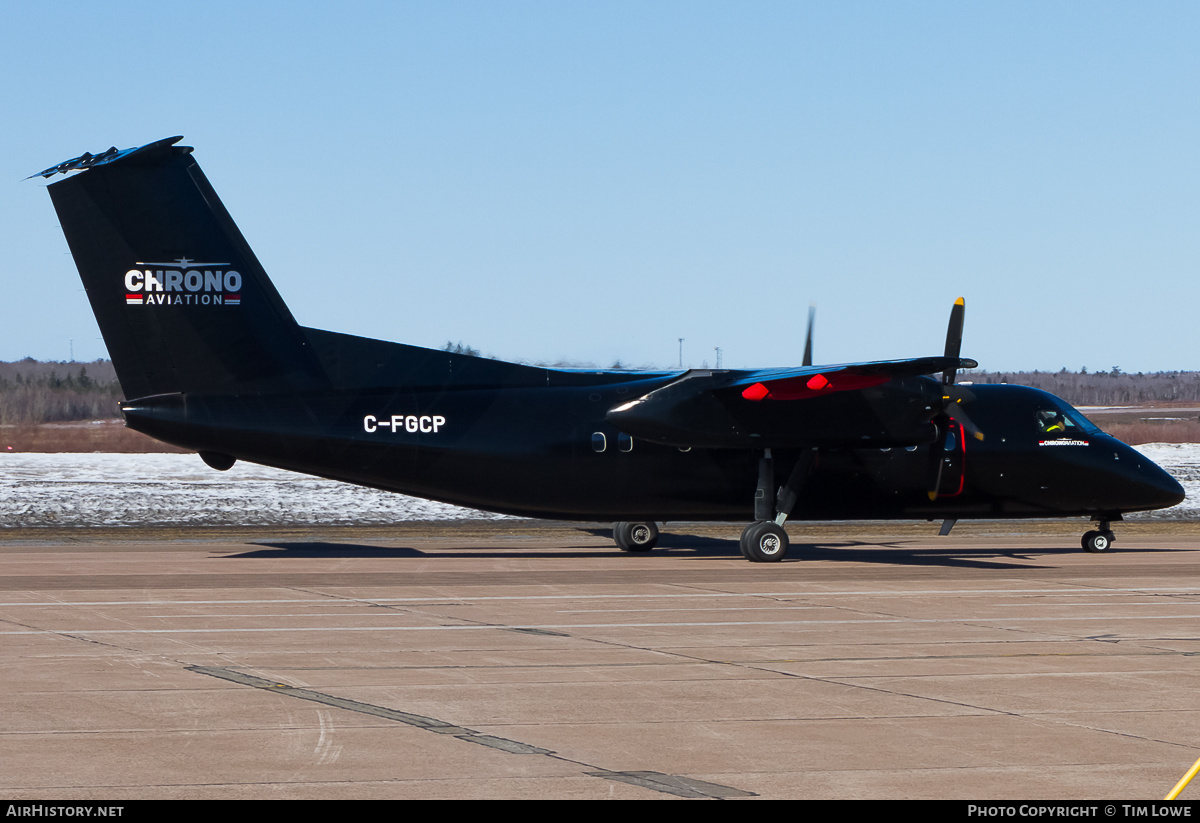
1098	540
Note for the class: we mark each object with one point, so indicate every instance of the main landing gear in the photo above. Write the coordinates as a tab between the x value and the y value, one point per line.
765	540
635	537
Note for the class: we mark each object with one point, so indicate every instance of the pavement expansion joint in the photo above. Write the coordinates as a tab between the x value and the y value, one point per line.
668	784
674	784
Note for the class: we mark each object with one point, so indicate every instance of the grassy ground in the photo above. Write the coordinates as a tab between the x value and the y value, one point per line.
1156	425
109	436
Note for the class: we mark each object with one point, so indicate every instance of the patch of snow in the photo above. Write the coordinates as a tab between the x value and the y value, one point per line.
179	490
1182	461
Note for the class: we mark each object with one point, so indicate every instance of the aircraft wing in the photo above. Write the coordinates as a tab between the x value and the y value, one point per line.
885	403
813	381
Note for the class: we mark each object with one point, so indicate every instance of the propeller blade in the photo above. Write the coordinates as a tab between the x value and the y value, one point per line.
954	338
958	414
937	456
812	312
952	396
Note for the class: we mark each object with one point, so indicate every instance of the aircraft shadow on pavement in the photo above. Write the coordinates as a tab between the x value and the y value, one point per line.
900	552
320	549
889	553
886	552
896	552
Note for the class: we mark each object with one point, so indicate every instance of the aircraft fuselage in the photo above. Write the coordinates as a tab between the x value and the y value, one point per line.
553	452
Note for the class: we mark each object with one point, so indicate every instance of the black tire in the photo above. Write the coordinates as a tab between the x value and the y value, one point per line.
764	542
1097	542
635	537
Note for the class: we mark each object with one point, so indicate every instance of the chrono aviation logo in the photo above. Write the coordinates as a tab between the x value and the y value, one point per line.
186	283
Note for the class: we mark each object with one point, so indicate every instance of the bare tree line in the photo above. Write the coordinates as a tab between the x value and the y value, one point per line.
1110	388
36	392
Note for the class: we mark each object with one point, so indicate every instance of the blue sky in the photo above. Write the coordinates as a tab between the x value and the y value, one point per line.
593	181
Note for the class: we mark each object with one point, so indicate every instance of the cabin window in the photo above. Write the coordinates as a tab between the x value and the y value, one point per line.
624	442
599	442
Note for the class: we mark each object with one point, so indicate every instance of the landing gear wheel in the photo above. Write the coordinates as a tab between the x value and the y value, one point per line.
1097	541
764	542
635	537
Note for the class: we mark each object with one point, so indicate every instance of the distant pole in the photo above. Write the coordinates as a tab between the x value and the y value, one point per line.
72	349
718	351
681	352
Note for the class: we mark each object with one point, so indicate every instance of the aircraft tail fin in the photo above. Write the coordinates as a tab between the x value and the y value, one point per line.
182	302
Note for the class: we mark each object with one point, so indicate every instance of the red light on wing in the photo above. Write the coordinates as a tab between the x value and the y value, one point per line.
800	388
756	392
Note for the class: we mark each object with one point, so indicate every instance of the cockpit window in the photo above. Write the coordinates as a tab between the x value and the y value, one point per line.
1052	422
1081	422
1060	422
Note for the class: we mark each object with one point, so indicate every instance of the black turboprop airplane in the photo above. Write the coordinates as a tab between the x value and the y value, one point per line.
209	358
